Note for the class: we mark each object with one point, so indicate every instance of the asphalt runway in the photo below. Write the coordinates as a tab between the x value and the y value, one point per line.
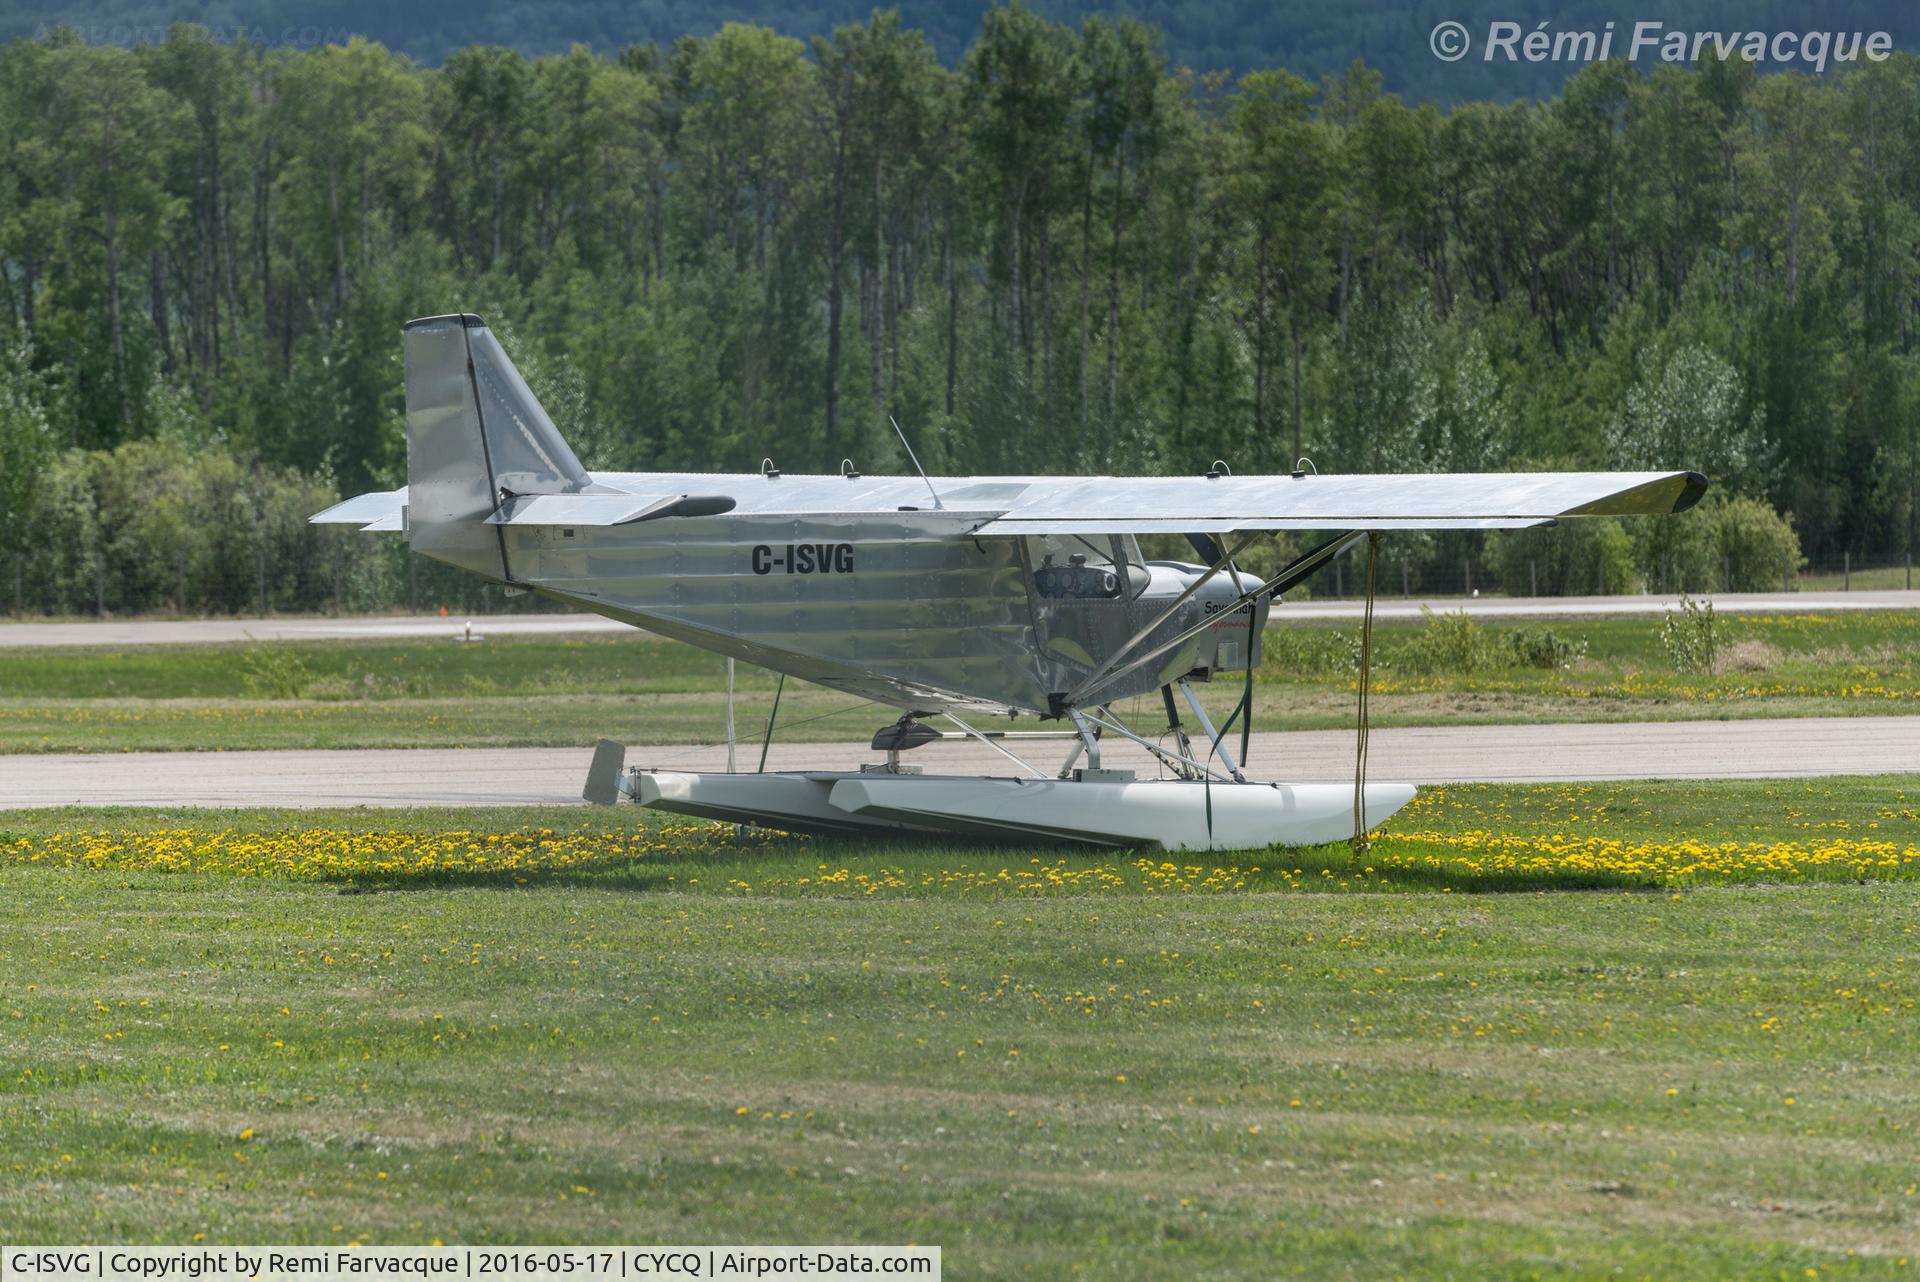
114	632
1422	754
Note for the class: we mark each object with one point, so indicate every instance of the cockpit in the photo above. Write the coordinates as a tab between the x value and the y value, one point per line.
1086	567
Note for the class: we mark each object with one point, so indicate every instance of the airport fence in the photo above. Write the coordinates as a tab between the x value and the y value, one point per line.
338	570
333	570
1479	575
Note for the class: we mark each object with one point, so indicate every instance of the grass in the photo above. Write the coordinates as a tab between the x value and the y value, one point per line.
641	1032
532	691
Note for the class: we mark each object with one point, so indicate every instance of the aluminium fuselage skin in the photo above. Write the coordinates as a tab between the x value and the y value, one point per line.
902	607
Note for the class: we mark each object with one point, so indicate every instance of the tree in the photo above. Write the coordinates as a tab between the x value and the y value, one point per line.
1277	194
352	123
1125	129
110	130
743	138
1690	410
198	264
1022	77
484	92
1587	124
26	445
1790	170
880	84
1672	148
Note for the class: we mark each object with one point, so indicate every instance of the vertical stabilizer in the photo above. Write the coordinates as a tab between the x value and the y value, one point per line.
475	437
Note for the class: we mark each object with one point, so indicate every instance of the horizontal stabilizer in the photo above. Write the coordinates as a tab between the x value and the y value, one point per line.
604	509
379	510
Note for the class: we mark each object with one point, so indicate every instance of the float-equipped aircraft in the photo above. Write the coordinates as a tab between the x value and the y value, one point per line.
963	602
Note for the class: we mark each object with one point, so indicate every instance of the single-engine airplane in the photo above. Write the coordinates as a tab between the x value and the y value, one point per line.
957	598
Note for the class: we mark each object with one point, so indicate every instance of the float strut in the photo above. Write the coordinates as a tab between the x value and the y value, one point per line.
1089	738
1213	736
1173	722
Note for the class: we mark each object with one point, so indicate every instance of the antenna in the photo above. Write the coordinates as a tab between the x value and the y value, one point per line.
916	461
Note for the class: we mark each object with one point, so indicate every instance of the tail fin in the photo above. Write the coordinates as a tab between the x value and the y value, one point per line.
475	437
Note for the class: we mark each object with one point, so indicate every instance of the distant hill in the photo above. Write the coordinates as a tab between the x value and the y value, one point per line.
1308	37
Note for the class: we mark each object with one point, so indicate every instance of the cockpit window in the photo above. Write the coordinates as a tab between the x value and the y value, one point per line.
1074	565
1135	566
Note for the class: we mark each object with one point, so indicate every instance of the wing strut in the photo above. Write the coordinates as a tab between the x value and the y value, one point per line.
1297	569
1225	560
1245	711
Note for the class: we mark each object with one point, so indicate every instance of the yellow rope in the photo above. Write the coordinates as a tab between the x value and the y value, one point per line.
1360	843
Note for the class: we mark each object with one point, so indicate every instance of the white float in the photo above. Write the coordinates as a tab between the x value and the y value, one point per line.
1162	814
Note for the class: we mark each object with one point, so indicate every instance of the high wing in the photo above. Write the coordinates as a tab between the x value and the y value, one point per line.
1437	501
1016	505
1020	505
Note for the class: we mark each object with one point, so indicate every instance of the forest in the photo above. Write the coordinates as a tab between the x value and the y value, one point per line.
1309	37
1061	251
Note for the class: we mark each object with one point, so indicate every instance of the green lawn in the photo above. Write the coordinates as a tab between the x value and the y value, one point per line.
1051	1064
542	691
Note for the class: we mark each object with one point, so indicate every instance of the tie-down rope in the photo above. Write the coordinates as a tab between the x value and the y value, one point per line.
1360	843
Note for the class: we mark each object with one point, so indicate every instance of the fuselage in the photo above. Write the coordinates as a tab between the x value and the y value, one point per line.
891	598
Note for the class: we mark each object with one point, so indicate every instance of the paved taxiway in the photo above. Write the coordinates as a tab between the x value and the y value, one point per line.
1421	754
114	632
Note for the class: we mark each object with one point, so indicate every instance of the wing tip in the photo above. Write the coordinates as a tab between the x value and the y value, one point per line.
1694	489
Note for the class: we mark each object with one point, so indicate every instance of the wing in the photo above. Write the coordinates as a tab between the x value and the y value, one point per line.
1434	501
1018	505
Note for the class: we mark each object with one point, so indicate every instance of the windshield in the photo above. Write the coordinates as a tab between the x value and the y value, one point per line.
1083	566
